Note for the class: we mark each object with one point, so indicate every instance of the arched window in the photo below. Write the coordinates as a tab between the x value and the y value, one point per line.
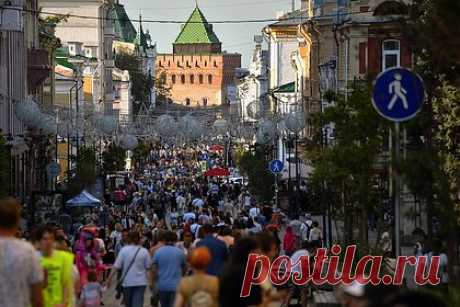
391	54
178	64
192	79
187	101
196	64
173	79
205	101
187	63
182	79
161	64
209	79
205	63
215	64
200	79
169	63
391	7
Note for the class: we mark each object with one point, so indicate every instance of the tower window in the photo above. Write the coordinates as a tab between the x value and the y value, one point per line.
182	79
173	79
200	79
192	79
391	54
209	79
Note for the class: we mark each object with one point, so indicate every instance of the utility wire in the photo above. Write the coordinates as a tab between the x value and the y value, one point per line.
183	22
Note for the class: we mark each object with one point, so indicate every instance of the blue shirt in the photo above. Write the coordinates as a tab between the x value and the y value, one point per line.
218	251
169	261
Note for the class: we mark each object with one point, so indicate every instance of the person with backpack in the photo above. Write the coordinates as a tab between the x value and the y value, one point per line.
200	289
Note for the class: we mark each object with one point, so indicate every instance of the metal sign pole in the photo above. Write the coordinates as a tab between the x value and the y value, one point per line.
397	188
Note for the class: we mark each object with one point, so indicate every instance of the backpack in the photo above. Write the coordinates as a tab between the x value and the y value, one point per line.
305	233
201	299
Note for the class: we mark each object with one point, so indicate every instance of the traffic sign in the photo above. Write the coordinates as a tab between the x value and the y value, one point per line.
276	166
53	169
398	94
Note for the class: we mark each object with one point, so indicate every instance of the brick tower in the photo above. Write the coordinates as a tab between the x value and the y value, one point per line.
197	71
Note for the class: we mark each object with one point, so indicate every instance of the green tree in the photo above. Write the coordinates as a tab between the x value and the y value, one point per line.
254	164
345	173
431	24
113	159
86	171
140	83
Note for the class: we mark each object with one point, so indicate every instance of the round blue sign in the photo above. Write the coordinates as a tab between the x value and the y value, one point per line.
398	94
276	166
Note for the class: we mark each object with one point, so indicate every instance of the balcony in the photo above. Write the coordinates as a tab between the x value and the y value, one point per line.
38	68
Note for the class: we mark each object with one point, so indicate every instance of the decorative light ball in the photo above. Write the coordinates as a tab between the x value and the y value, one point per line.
108	124
295	122
128	142
221	126
267	131
27	111
253	110
262	138
48	124
166	125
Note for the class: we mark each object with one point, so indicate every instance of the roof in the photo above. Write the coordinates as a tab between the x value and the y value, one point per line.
285	88
197	30
62	56
292	18
124	29
141	39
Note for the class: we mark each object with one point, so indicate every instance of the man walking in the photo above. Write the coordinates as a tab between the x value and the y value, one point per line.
21	277
169	265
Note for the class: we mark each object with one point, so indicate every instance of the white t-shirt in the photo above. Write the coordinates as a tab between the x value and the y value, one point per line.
254	211
19	259
296	257
137	274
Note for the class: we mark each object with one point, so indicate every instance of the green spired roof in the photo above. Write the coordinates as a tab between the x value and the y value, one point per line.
197	30
62	55
141	39
124	29
285	88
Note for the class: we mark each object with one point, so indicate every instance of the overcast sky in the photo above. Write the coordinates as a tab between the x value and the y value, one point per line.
234	37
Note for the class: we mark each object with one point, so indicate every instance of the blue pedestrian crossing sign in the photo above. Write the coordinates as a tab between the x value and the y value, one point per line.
276	166
398	94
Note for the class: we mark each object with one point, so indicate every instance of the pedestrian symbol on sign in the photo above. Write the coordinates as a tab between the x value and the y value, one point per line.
276	166
398	92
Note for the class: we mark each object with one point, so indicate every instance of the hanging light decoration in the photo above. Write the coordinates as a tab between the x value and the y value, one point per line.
220	125
128	142
266	132
27	111
295	122
108	124
166	125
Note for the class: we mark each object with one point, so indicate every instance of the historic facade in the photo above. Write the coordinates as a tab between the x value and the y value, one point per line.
198	72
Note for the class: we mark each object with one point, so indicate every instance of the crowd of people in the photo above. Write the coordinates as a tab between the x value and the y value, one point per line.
169	232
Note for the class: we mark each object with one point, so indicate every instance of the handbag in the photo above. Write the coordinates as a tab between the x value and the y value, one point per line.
119	287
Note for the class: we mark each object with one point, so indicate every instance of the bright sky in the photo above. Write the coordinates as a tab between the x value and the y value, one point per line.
235	37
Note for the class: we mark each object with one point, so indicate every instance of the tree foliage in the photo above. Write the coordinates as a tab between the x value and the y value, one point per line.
254	164
346	172
86	171
113	159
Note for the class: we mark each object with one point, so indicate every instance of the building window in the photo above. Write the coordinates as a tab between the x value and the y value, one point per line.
192	79
187	63
169	63
200	79
173	79
215	64
161	64
391	54
196	64
182	79
205	63
209	79
205	101
187	101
